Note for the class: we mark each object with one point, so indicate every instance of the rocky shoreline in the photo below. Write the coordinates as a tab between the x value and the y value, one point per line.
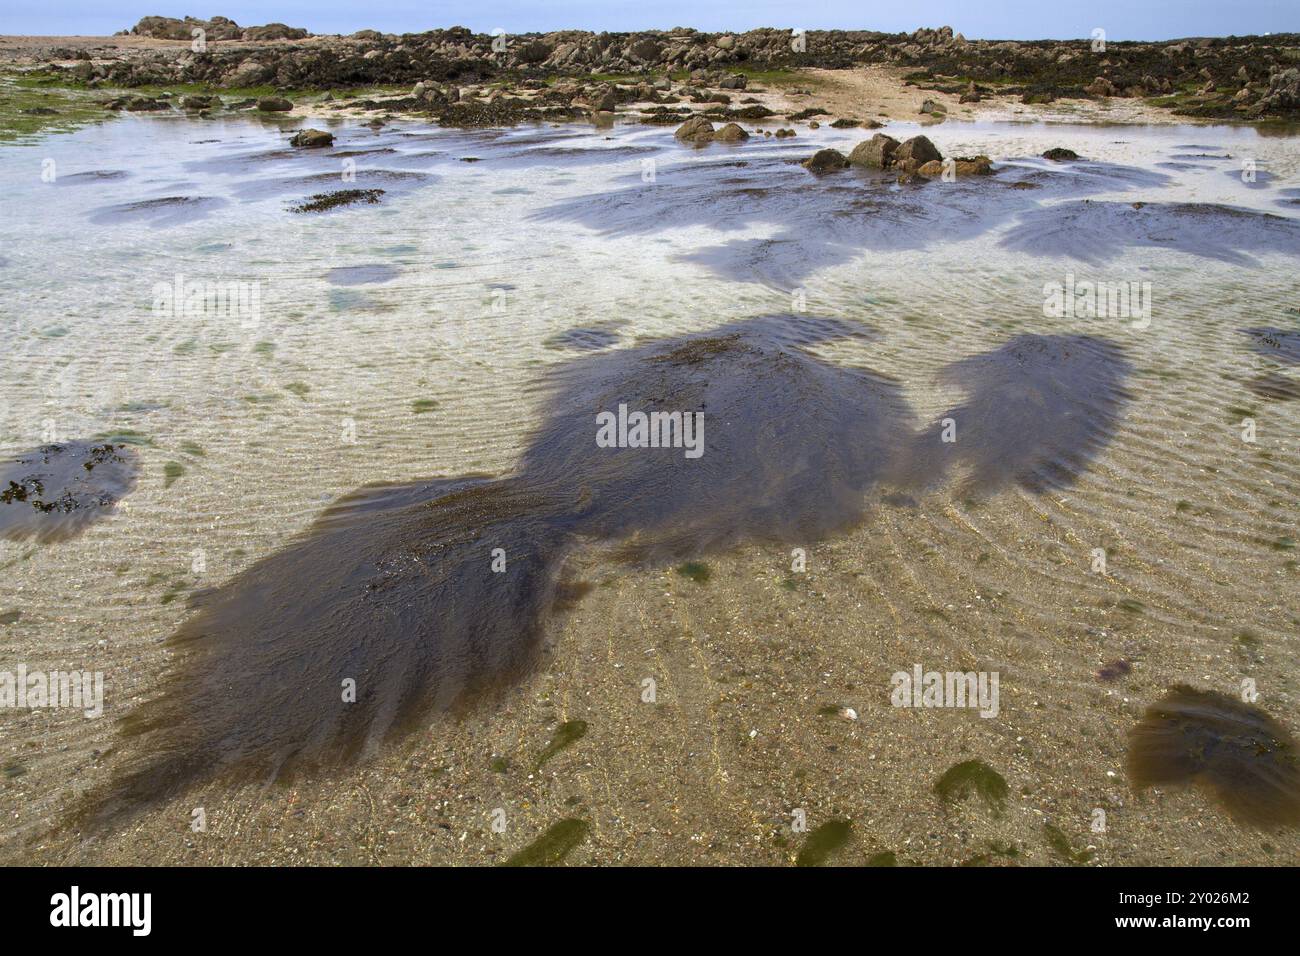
462	78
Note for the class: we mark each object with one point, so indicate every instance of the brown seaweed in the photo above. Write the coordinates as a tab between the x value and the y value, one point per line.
1235	750
56	491
405	600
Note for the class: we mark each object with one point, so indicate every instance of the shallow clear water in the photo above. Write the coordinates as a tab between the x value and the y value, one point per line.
405	339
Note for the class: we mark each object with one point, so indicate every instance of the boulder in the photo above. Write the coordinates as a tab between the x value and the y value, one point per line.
731	133
877	152
974	166
1283	92
697	129
248	73
1060	154
737	81
274	104
825	160
606	101
646	50
274	31
962	166
144	104
312	139
914	153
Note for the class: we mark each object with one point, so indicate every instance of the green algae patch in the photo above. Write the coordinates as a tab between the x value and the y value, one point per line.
566	735
29	109
553	846
994	853
883	858
1060	844
422	405
125	436
171	471
697	571
175	590
824	841
973	776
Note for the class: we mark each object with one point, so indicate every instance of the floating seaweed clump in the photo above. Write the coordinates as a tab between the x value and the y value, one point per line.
1244	757
321	202
55	492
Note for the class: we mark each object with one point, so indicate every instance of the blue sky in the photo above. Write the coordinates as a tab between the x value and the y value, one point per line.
999	19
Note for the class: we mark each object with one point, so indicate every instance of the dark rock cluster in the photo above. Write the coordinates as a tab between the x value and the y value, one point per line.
1228	77
218	28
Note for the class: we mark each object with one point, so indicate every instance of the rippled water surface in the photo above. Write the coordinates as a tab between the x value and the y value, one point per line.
509	284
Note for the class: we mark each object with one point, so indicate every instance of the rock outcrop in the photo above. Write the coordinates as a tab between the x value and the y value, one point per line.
214	30
1239	77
